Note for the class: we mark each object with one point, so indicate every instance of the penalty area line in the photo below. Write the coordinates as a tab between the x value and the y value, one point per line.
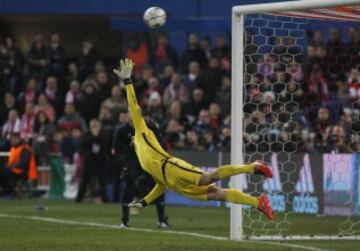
101	225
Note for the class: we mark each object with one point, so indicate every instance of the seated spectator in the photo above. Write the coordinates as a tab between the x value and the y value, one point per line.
175	113
44	106
192	141
166	76
336	141
176	90
116	102
354	87
57	56
11	66
8	103
142	81
193	53
205	45
89	102
53	95
196	103
42	137
203	122
11	125
87	59
164	54
106	118
192	79
224	141
71	120
211	79
38	58
73	94
215	116
153	86
223	96
208	141
30	92
27	123
317	87
138	53
174	135
21	165
154	107
72	72
104	84
221	49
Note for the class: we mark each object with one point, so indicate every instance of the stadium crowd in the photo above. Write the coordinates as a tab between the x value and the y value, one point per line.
309	103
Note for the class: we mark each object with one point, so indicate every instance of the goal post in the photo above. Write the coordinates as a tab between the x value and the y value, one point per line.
238	154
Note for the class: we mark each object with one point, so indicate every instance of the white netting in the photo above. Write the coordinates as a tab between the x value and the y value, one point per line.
301	115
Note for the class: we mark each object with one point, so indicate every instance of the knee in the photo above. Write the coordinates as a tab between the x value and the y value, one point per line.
207	179
216	193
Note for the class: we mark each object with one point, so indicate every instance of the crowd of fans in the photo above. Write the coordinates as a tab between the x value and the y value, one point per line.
293	101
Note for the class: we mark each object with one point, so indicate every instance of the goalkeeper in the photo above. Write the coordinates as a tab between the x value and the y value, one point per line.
178	175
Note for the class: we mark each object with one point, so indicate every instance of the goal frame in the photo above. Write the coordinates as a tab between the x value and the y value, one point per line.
237	98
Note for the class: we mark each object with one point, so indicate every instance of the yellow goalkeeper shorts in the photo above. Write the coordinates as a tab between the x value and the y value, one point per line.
184	178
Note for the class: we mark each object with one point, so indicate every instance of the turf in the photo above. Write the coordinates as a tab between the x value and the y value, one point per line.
27	234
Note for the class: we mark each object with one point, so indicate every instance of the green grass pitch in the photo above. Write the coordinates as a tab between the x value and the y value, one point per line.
22	233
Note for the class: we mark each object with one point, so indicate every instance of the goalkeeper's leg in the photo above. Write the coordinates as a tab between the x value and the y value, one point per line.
222	172
262	202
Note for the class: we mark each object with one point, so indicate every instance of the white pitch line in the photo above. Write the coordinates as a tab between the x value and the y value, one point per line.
206	236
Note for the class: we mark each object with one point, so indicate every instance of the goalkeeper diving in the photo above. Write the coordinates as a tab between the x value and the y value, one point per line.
178	175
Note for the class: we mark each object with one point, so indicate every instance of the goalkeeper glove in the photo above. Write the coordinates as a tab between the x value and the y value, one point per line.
135	207
125	70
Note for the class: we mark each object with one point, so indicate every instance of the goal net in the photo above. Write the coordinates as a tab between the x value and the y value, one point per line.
296	73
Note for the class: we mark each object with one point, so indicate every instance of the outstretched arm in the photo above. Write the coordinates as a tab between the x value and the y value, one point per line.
136	206
124	72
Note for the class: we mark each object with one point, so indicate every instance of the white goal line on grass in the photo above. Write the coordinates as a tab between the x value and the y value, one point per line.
206	236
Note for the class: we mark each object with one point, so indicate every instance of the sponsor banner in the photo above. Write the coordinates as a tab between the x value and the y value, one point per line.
303	183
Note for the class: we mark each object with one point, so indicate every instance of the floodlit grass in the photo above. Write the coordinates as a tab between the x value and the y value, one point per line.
28	234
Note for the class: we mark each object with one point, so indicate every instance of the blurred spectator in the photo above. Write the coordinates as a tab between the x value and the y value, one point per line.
176	113
153	86
164	54
11	65
176	90
73	94
194	53
44	106
192	79
225	139
317	87
104	84
203	123
53	95
192	141
89	102
57	56
12	125
71	120
174	135
27	122
211	79
72	72
205	45
336	141
42	137
116	102
138	53
154	107
8	103
87	60
196	103
215	116
30	92
38	58
221	49
169	71
223	96
354	87
317	39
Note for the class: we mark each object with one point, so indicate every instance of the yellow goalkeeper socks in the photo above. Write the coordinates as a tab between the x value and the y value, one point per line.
238	197
230	170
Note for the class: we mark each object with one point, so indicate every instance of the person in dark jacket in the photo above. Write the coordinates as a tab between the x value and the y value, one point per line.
137	183
93	149
194	53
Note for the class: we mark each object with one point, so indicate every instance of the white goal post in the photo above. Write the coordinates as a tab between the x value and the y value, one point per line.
237	146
